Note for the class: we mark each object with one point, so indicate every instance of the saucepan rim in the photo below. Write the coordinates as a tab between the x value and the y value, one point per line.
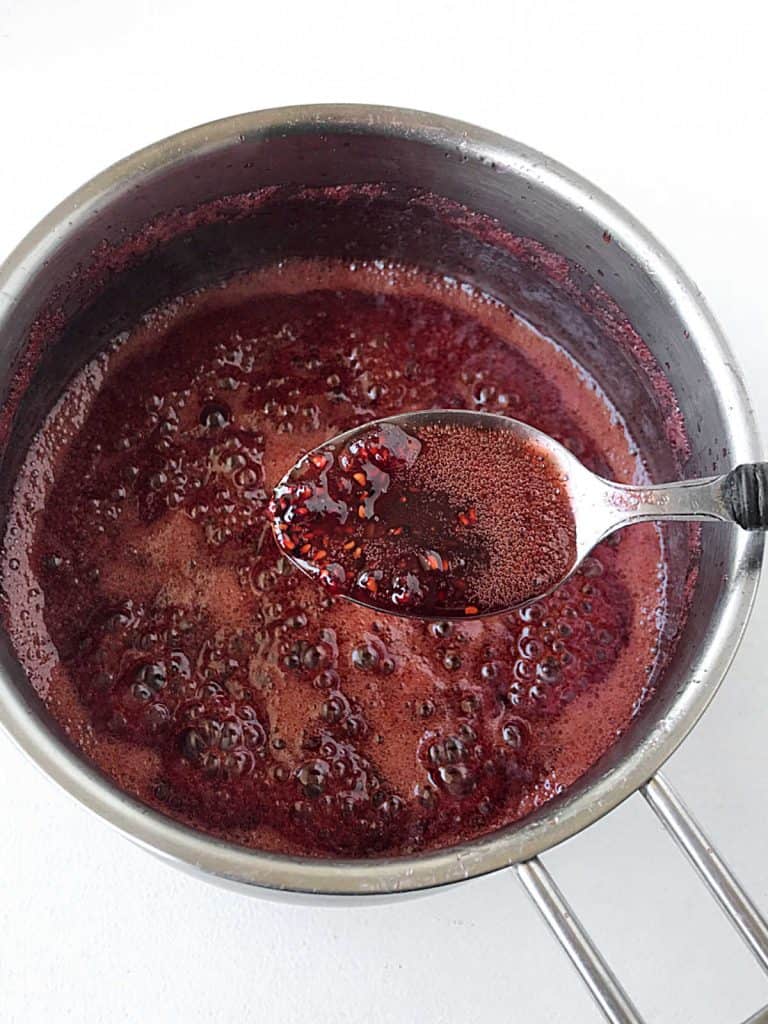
259	872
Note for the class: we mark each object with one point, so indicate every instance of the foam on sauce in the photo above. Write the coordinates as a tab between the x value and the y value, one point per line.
201	672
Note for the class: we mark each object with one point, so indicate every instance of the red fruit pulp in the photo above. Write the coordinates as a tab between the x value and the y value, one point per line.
201	671
441	519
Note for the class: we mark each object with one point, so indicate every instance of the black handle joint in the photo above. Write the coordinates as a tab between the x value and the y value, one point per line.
745	492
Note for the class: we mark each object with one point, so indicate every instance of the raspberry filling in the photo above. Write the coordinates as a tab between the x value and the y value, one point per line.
440	519
184	654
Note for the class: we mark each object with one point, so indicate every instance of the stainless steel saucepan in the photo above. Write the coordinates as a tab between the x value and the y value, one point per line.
585	272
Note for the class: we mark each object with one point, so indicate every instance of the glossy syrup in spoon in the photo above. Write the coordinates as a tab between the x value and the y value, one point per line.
449	513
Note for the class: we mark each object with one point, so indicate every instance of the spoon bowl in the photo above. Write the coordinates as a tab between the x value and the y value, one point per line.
449	513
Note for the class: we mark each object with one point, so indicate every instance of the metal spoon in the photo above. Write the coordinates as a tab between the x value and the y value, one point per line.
599	506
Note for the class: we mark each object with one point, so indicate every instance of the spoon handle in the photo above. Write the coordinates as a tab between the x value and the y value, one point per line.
745	493
740	496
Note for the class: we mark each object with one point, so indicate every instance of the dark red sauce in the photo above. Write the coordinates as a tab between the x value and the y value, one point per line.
441	519
185	655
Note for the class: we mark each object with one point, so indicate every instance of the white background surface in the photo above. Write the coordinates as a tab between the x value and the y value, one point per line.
664	105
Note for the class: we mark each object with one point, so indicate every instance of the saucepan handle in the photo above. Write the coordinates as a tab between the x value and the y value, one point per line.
605	987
